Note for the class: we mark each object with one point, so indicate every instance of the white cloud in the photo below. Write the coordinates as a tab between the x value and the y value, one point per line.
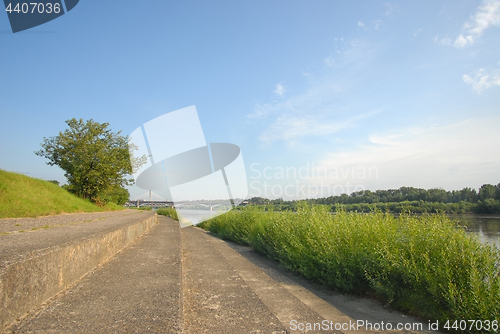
482	80
309	102
289	128
261	110
280	89
347	52
384	140
330	61
317	110
446	41
389	8
486	16
450	156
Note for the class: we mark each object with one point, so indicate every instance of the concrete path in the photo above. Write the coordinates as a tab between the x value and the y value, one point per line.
216	298
286	307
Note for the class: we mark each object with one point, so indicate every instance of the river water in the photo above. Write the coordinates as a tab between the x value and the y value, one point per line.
487	227
193	217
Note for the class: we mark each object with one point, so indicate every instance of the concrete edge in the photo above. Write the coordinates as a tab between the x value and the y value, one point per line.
27	284
178	236
181	276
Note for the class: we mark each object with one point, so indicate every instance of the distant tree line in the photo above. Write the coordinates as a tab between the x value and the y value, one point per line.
417	200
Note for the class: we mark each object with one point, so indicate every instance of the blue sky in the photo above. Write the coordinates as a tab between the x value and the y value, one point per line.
356	95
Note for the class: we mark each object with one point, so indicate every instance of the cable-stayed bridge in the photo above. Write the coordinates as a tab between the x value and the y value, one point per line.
210	205
154	200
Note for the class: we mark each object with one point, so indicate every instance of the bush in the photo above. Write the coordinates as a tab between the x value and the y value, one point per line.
488	205
169	212
117	195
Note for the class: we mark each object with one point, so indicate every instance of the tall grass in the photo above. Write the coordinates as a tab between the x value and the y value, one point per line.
169	212
22	196
421	265
142	208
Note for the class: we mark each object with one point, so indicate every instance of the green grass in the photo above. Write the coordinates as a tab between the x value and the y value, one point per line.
422	265
22	196
169	212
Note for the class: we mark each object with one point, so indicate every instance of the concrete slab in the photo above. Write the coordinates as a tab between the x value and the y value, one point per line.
137	291
37	265
21	225
289	309
18	246
216	298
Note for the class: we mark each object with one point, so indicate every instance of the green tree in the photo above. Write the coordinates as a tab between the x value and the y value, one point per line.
118	195
437	195
469	195
258	201
96	160
487	191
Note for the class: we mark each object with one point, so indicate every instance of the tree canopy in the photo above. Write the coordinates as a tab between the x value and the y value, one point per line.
96	160
487	200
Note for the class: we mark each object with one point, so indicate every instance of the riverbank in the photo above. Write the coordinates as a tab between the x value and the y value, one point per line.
423	265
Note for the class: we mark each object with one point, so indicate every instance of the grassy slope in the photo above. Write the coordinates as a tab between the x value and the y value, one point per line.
22	196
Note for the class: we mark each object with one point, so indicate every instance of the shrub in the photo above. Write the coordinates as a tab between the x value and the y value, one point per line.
169	212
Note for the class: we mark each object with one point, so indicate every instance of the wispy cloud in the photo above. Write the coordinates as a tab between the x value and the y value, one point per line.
384	140
482	80
389	8
261	111
317	111
309	102
486	16
430	156
330	61
290	128
280	89
446	41
347	52
377	24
